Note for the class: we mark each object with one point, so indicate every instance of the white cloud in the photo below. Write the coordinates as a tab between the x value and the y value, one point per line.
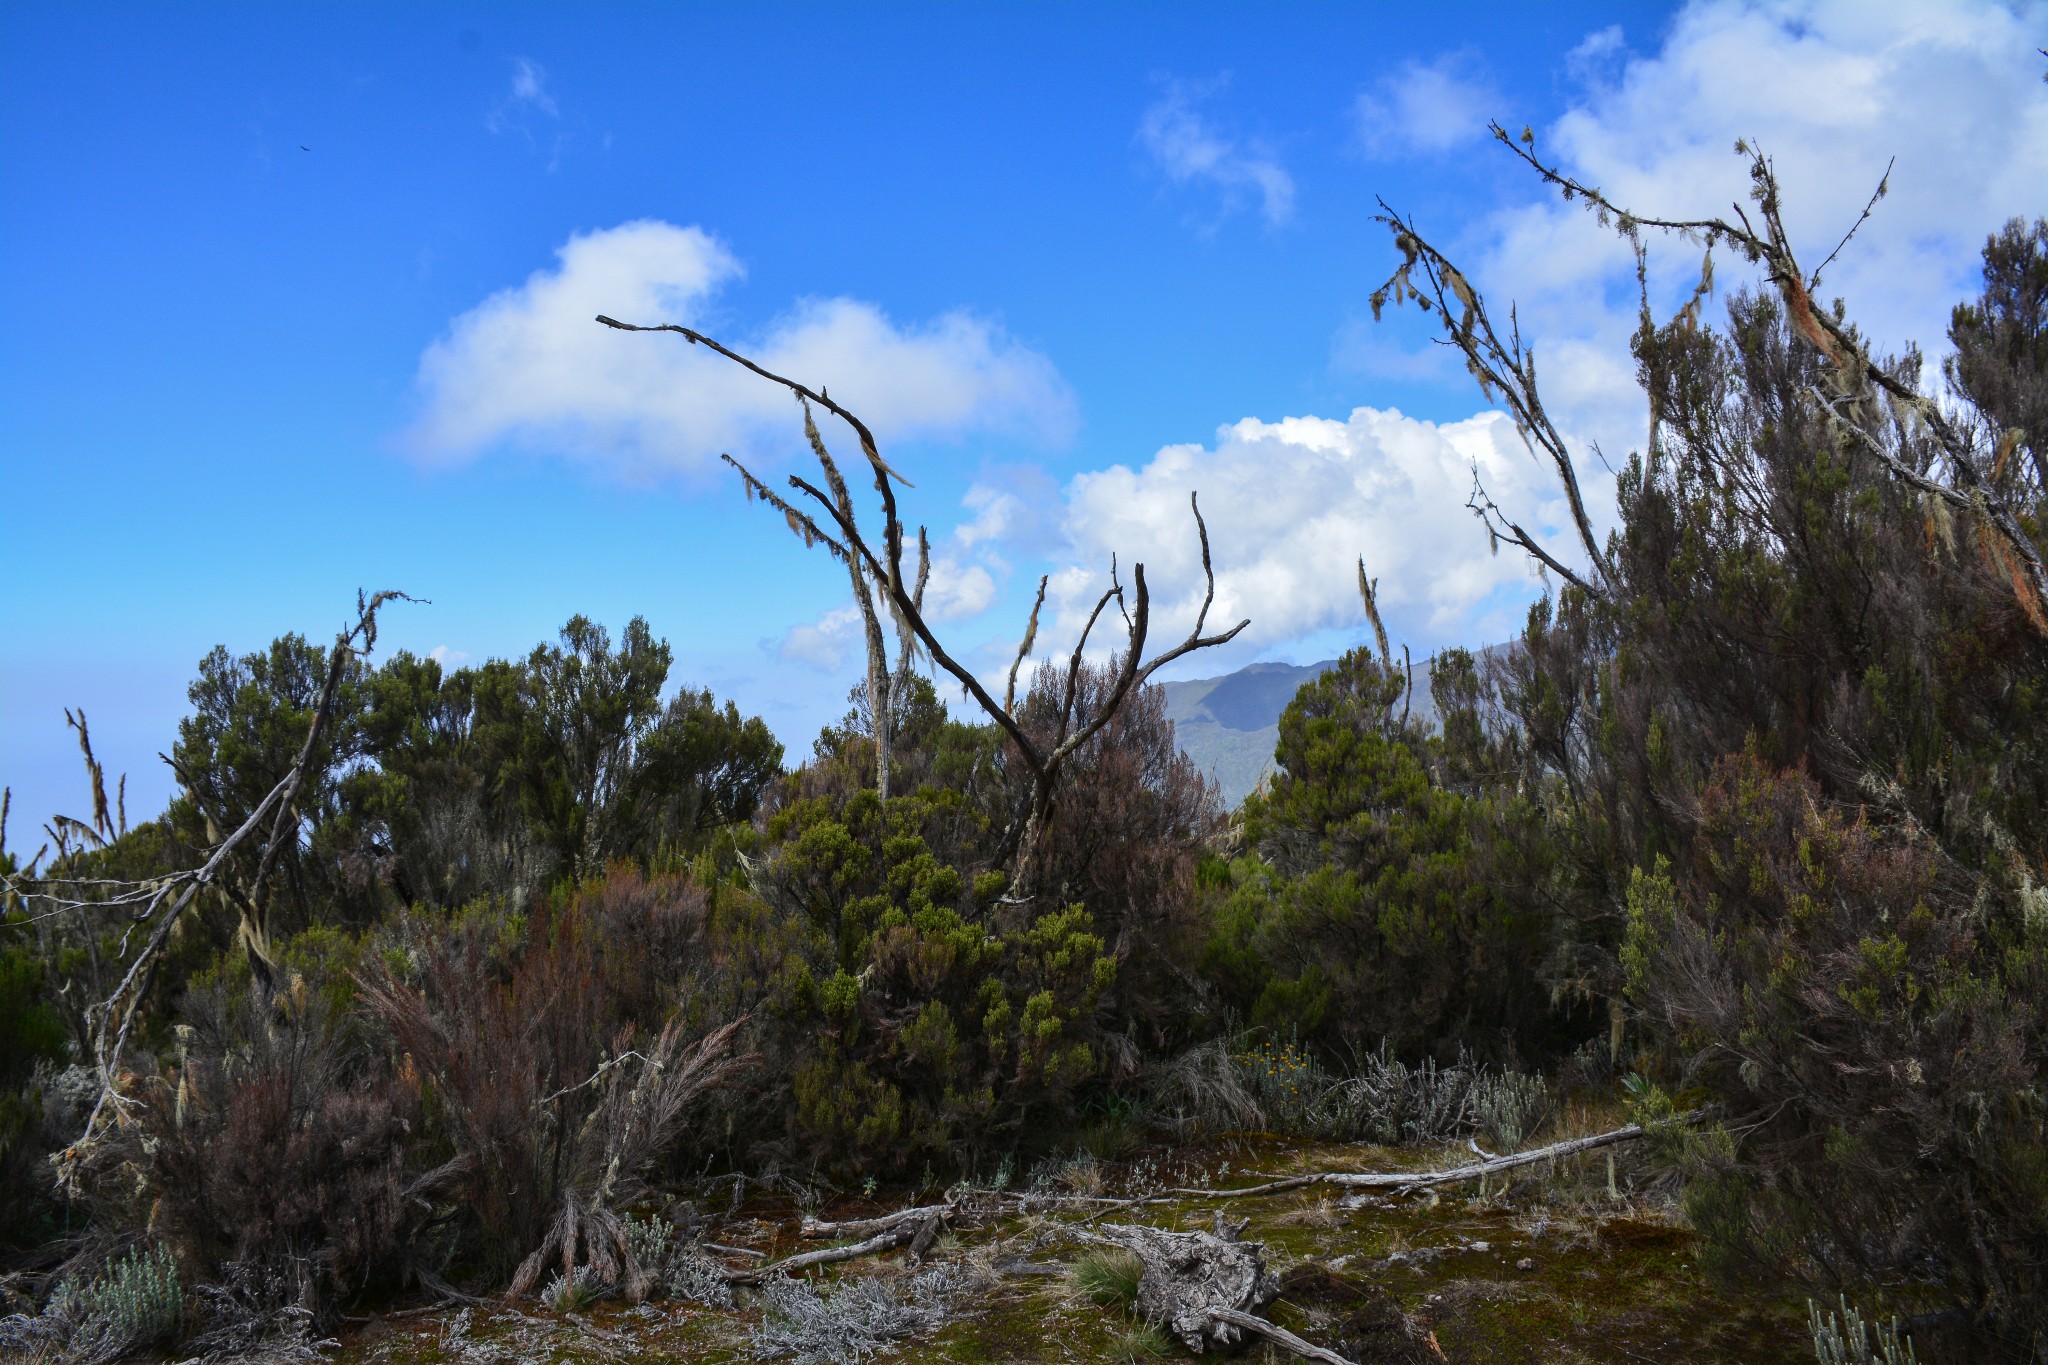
1290	507
1425	108
825	643
530	368
957	589
1594	60
1189	148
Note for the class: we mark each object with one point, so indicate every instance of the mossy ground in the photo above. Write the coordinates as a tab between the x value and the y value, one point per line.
1550	1268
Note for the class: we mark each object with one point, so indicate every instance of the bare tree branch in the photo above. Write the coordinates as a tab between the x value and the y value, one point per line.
1504	367
1368	589
906	604
164	900
1024	646
1857	378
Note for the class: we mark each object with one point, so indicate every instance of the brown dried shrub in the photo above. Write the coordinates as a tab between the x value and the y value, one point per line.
549	1106
273	1143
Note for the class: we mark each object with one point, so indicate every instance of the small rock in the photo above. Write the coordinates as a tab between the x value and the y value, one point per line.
1482	1246
1525	1264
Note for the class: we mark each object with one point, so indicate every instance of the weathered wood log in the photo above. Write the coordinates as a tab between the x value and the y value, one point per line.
1422	1180
882	1241
915	1228
1188	1276
868	1227
1280	1335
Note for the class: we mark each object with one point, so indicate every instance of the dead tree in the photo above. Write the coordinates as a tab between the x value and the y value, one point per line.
156	905
1864	403
1044	758
883	686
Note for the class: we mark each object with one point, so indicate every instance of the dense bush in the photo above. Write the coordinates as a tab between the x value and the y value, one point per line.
558	1055
31	1034
1383	906
1804	739
271	1142
922	1024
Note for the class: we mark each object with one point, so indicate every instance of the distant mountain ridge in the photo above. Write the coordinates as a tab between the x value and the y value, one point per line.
1230	725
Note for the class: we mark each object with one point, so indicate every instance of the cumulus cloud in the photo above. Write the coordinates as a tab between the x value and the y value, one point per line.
529	368
1290	506
1189	148
1427	108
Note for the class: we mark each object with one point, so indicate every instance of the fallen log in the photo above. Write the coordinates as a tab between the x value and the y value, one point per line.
868	1227
881	1241
916	1228
1422	1180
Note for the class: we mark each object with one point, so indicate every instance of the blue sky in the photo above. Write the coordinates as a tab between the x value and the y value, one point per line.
295	299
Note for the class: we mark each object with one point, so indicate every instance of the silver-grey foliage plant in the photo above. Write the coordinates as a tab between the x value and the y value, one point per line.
136	1302
847	1322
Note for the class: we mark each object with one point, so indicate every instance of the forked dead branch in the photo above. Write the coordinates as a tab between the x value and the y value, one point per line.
157	904
1044	757
1866	405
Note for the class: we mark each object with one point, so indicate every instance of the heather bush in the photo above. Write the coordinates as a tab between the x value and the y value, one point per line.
560	1054
272	1142
1872	1034
847	1322
31	1034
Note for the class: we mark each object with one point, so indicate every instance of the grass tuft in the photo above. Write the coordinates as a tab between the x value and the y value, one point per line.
1109	1276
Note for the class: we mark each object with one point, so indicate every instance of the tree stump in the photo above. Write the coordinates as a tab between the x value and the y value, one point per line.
1189	1274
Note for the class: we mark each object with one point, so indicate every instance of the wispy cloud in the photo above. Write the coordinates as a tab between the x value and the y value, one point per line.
529	109
529	368
1190	149
1425	108
530	86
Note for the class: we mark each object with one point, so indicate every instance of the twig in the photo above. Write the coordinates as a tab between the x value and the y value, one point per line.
734	1251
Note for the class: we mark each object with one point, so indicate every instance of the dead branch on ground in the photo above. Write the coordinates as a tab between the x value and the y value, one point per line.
1278	1335
914	1228
867	1227
1405	1181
